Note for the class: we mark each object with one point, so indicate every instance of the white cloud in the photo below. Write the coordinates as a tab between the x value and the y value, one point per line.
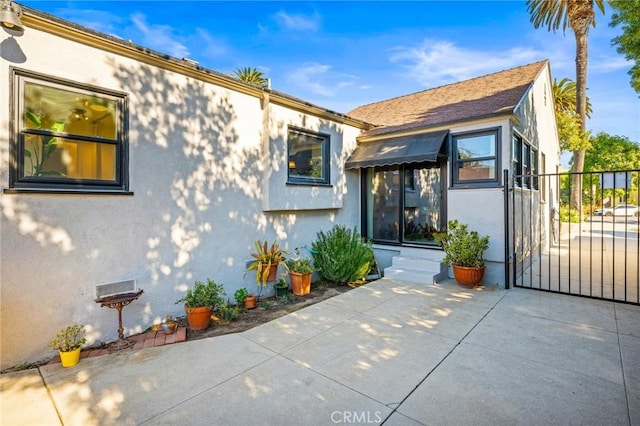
159	37
297	22
213	47
437	62
319	79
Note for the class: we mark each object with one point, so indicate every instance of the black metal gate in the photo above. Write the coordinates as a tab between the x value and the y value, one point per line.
592	251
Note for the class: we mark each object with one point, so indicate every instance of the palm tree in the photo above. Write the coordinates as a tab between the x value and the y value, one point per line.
579	15
251	75
564	96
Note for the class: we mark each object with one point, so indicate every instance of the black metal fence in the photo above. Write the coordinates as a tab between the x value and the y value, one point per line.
574	233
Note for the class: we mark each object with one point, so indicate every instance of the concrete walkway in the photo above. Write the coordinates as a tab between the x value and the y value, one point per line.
389	352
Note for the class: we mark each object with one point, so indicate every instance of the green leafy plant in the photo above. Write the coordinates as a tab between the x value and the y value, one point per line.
240	295
42	153
69	338
301	265
265	256
569	215
281	283
203	295
462	247
341	255
228	312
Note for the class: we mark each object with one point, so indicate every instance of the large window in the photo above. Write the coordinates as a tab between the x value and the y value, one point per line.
67	136
308	155
475	158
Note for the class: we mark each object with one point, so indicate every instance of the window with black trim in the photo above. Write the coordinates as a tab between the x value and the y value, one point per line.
67	136
308	157
525	163
475	158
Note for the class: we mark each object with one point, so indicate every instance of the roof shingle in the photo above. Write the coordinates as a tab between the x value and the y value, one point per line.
489	95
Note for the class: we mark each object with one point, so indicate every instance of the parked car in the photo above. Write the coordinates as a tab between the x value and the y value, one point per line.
619	210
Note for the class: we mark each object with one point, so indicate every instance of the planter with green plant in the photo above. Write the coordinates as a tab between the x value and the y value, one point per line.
200	302
300	270
243	298
464	252
267	258
282	287
68	342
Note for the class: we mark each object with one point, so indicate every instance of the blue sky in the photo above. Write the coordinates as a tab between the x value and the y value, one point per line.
340	55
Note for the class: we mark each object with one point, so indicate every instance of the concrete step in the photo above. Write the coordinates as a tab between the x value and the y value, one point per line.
403	262
411	275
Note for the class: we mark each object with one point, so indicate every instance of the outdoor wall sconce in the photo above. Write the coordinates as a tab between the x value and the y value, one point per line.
10	14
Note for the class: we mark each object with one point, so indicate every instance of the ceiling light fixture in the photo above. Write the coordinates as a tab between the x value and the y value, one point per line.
10	14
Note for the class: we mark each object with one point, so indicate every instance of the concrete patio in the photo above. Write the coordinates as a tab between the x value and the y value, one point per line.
389	352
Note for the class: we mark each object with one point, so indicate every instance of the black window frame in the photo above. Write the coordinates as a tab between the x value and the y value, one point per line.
43	184
455	161
525	163
325	179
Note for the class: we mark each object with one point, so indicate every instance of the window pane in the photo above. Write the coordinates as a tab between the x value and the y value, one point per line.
385	189
306	159
60	110
476	146
422	206
52	157
477	170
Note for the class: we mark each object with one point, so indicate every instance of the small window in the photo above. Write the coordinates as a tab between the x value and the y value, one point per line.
475	158
67	136
308	157
525	163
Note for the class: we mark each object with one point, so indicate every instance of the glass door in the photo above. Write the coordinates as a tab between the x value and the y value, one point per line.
404	204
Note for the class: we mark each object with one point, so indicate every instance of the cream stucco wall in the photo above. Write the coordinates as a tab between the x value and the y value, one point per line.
208	172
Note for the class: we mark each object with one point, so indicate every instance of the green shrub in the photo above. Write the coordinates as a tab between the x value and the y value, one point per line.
569	215
341	255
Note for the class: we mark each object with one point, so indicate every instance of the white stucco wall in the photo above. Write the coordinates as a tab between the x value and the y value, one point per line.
205	188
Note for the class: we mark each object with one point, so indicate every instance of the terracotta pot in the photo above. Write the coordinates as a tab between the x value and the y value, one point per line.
250	301
300	283
71	358
198	318
273	272
468	277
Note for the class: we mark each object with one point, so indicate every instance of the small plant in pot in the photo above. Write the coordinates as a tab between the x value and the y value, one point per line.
281	287
243	298
300	270
464	252
267	258
200	301
68	342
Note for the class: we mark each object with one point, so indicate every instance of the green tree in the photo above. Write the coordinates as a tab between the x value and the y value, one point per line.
627	15
610	153
569	133
251	75
578	15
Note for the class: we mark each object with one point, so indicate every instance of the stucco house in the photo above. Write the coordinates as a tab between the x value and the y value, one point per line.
120	163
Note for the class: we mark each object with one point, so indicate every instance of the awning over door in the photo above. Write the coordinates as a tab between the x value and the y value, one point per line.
401	150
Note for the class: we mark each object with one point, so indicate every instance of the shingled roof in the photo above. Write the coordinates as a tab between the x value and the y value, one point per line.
489	95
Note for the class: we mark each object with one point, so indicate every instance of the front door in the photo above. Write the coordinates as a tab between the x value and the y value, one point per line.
404	204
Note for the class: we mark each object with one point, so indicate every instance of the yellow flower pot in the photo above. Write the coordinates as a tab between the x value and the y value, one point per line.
71	358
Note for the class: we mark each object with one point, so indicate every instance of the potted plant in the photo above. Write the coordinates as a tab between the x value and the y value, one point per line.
267	258
464	252
169	325
227	313
243	298
200	301
300	270
68	342
281	287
